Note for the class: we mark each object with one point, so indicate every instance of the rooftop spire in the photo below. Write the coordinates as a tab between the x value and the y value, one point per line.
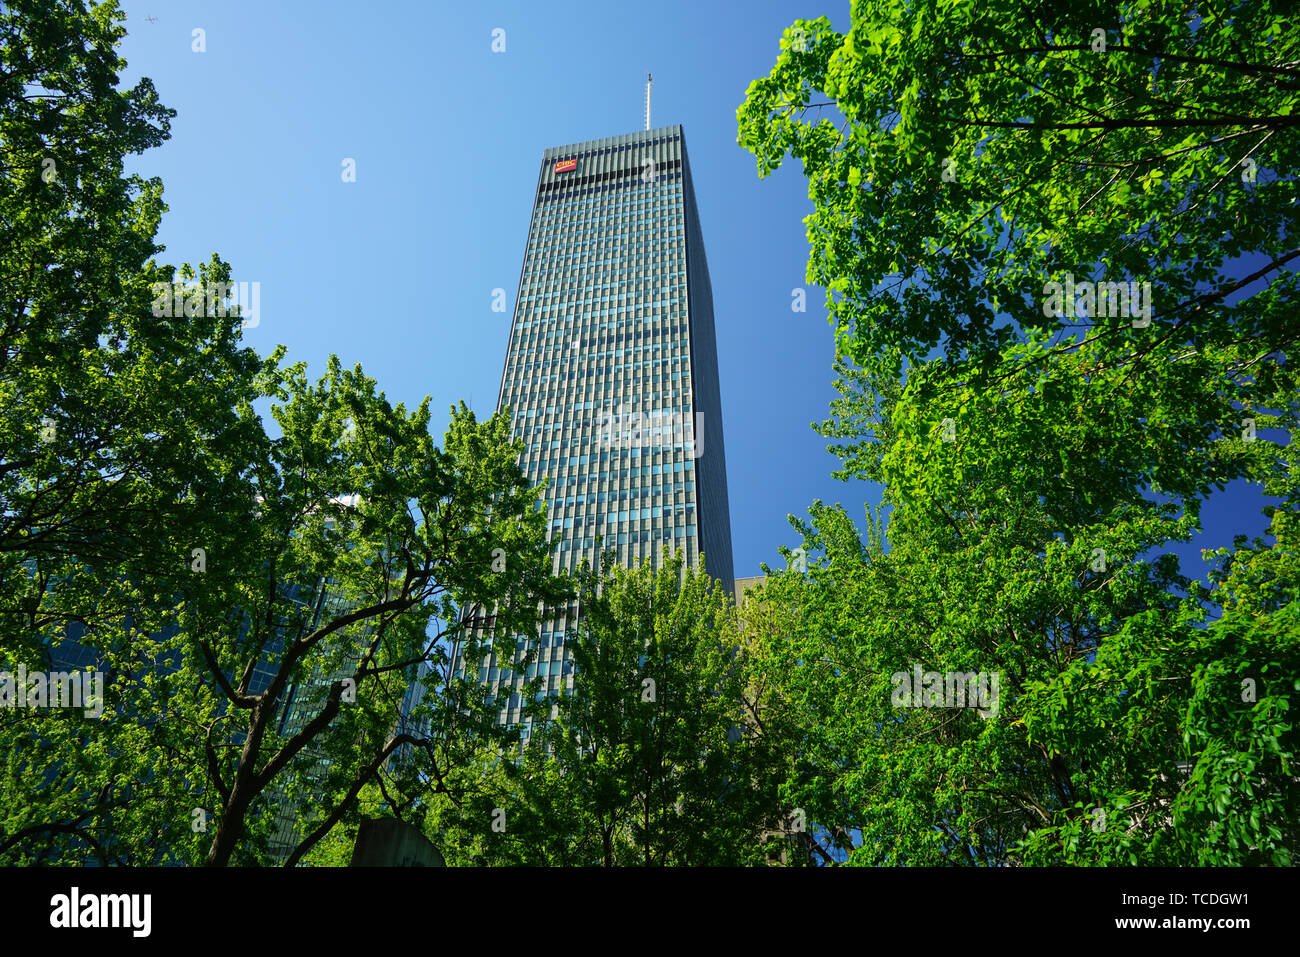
648	80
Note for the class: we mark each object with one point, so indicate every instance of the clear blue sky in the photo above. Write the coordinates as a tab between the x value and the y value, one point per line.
396	270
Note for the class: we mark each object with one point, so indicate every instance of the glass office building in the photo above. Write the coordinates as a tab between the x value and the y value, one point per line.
611	372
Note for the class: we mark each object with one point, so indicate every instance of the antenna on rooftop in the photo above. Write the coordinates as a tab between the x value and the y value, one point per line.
648	80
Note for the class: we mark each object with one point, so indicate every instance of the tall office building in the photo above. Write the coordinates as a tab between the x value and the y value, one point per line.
611	373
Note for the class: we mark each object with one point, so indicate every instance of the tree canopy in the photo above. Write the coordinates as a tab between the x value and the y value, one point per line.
647	760
269	612
1056	245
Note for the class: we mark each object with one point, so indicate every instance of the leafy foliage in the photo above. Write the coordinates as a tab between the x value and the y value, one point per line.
647	759
1034	469
987	149
261	608
1123	729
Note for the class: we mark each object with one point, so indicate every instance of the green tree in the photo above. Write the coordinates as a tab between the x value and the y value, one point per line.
1017	549
407	557
292	649
646	761
258	606
981	154
121	436
988	149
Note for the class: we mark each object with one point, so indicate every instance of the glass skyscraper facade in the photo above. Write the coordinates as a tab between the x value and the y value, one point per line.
611	372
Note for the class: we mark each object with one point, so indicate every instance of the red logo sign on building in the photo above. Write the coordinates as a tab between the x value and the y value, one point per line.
565	166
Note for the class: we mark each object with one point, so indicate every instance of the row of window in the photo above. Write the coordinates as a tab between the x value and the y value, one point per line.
656	369
578	281
585	303
624	534
651	264
547	335
640	195
564	666
626	448
559	226
591	293
648	373
559	321
606	182
609	150
654	421
554	354
563	417
625	381
560	309
555	196
685	510
608	236
625	255
524	394
536	469
680	507
586	484
527	404
642	371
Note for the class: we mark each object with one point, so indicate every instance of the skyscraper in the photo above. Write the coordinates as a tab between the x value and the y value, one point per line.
611	372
